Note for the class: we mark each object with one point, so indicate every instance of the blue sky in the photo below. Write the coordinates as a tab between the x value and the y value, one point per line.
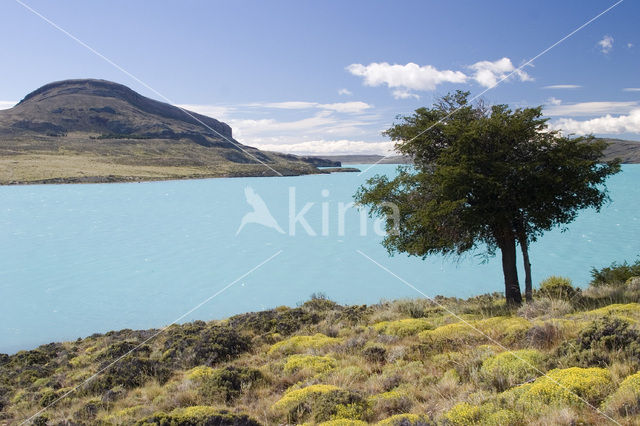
328	77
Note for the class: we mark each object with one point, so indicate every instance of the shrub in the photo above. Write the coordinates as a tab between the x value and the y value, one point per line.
194	344
556	287
312	363
406	420
322	402
199	373
284	321
392	402
615	273
343	422
198	416
487	414
298	344
626	400
598	341
374	353
569	386
403	327
228	383
506	329
545	307
508	369
130	372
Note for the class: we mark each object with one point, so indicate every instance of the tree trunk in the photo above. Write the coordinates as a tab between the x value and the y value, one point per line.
509	268
528	283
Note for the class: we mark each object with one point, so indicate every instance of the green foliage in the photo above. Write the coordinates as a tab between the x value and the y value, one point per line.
375	353
395	401
129	372
403	327
599	342
298	344
483	176
508	369
226	384
313	363
464	414
198	416
322	403
556	287
569	386
284	321
196	343
616	273
507	329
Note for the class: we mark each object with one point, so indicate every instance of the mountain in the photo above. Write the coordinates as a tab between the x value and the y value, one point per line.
100	131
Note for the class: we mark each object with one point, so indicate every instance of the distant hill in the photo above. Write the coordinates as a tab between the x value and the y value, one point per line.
627	151
99	131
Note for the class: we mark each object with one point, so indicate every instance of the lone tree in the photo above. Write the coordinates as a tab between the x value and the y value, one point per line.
484	177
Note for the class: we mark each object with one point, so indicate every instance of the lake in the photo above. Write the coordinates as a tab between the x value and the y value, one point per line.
80	259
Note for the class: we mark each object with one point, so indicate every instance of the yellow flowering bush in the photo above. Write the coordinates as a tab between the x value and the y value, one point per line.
488	414
568	386
626	400
295	397
313	363
343	422
507	329
199	373
507	369
403	327
298	344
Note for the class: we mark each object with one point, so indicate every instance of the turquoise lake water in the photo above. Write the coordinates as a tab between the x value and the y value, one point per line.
80	259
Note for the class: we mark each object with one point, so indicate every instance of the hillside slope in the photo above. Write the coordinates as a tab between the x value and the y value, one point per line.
96	131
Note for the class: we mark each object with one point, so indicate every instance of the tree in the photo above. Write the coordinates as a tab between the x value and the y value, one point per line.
484	178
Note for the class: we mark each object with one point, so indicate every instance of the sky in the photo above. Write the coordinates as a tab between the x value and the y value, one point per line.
329	77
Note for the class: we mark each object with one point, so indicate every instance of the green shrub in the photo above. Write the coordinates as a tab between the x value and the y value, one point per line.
403	327
312	363
569	386
321	403
343	422
392	402
198	416
507	329
298	344
626	400
508	369
556	287
226	384
616	273
375	353
488	414
196	343
599	342
130	372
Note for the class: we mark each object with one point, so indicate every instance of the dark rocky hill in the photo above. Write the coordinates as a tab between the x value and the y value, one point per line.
96	130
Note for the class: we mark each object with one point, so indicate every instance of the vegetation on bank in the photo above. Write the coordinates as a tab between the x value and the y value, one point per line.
570	356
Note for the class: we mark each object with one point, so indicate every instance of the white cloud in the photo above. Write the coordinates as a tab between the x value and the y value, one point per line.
407	77
608	124
562	86
346	107
330	147
606	44
554	101
488	73
629	45
345	92
590	108
631	89
7	104
404	94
